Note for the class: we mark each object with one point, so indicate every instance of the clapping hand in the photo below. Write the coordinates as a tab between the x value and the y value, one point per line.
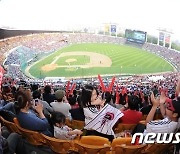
162	98
178	87
155	101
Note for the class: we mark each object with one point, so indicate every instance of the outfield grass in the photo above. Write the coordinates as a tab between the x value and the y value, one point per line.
125	59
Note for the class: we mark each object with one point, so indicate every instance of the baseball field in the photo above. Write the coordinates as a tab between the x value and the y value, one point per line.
90	59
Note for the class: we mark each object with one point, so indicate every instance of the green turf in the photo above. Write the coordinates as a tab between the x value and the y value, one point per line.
125	59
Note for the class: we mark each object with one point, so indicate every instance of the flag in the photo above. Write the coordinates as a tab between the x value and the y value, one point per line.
113	28
106	28
161	36
105	120
167	38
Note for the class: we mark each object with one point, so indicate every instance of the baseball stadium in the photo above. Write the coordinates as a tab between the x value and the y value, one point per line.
89	78
86	55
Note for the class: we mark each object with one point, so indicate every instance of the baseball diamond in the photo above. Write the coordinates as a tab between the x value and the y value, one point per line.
90	59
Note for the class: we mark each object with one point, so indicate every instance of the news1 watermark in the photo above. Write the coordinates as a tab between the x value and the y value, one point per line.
151	138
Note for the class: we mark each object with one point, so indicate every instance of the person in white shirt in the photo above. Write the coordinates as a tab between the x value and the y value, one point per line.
47	109
61	130
170	110
61	105
99	117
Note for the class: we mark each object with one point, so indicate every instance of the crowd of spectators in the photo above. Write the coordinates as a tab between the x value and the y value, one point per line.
171	55
35	113
20	55
12	48
130	95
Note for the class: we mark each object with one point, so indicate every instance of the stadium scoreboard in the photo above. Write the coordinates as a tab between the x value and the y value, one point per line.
135	36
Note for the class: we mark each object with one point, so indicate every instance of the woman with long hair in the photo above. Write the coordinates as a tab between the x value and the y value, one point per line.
30	119
98	114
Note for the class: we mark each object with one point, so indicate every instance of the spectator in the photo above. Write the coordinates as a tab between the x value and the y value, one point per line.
47	109
131	116
47	96
92	106
26	117
170	111
146	105
62	131
171	114
61	105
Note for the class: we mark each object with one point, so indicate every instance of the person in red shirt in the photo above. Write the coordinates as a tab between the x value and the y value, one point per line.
131	116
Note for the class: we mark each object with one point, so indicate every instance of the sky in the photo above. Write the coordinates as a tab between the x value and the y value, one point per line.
146	15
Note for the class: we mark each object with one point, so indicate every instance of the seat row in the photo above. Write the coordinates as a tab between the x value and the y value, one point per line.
85	144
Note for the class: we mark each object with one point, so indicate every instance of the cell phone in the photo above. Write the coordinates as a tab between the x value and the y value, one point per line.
36	101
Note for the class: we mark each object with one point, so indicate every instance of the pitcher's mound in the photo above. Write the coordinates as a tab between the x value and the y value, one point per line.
49	67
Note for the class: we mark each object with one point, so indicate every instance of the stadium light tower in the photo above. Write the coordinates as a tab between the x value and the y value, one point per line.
165	36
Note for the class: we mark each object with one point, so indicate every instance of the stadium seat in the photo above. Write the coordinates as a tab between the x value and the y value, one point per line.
156	148
68	122
10	125
33	137
94	140
92	149
123	145
93	145
77	124
124	127
57	145
121	140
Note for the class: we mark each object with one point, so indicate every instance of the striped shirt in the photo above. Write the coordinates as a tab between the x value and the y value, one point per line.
161	126
90	113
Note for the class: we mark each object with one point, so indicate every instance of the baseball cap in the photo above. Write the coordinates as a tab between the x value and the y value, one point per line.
173	105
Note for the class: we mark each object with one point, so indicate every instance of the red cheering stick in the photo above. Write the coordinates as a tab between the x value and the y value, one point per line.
117	95
101	83
67	88
111	85
124	91
142	95
72	88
